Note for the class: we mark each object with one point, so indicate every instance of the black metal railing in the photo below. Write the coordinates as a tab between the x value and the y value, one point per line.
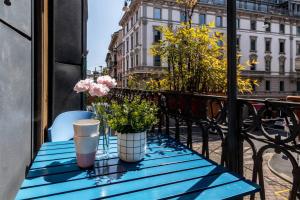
263	124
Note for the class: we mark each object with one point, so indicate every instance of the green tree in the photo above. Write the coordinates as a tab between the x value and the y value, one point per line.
195	57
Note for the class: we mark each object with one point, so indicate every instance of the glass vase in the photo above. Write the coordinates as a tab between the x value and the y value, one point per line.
104	138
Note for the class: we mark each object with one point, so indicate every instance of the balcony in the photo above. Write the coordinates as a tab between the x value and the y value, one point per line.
41	71
268	132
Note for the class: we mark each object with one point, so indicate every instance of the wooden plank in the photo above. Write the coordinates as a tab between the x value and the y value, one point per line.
224	186
66	161
241	189
67	176
71	147
137	179
150	148
116	163
45	70
47	145
69	150
156	187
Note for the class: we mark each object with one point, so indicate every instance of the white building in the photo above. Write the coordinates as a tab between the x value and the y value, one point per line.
267	32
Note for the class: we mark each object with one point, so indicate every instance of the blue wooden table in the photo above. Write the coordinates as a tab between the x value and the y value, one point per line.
169	171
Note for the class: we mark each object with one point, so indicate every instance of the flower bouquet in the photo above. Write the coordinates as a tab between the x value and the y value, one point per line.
99	91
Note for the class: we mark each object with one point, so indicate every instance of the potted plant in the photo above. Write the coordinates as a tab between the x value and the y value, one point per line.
131	119
87	131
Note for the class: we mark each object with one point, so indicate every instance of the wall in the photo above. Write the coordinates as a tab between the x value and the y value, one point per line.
69	48
15	95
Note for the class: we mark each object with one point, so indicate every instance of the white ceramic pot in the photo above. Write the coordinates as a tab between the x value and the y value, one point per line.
132	146
86	137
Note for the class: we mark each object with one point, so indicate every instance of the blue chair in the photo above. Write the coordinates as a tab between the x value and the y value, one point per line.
62	127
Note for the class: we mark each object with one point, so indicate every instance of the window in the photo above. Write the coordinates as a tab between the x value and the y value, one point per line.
281	65
157	61
132	42
253	86
157	35
253	66
268	85
282	28
127	27
281	86
127	45
298	48
137	60
298	85
250	6
182	17
268	64
298	30
123	49
268	26
252	43
137	16
137	38
238	47
220	43
202	19
268	45
157	13
282	46
127	64
219	21
237	23
252	25
131	61
131	22
238	61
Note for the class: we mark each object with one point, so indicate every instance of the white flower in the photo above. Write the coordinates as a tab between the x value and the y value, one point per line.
108	81
98	90
83	85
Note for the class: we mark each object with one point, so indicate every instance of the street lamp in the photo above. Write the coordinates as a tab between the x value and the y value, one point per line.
101	71
126	3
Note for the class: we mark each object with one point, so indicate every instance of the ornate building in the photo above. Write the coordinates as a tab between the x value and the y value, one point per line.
268	32
114	57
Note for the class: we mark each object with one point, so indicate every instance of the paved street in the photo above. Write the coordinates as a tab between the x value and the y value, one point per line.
275	187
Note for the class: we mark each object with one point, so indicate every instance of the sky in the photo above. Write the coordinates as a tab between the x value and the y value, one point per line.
103	21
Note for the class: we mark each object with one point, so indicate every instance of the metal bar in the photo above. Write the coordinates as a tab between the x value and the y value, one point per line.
177	129
232	140
167	125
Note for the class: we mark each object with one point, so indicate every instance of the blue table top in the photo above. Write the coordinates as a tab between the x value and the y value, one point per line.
168	171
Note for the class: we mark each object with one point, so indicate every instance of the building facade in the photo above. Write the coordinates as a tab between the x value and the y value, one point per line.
267	32
114	57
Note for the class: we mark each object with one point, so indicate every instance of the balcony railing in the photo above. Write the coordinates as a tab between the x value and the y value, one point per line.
275	7
264	125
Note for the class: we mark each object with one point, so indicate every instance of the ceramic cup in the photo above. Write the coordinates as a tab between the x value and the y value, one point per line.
86	137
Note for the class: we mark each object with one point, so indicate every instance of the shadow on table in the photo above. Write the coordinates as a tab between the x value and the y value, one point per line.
109	174
204	183
163	143
57	171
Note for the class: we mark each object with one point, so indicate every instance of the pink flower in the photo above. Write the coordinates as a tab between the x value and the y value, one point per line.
98	90
107	80
83	85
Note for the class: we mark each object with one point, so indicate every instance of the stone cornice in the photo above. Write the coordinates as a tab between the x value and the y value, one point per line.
222	10
114	39
131	10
